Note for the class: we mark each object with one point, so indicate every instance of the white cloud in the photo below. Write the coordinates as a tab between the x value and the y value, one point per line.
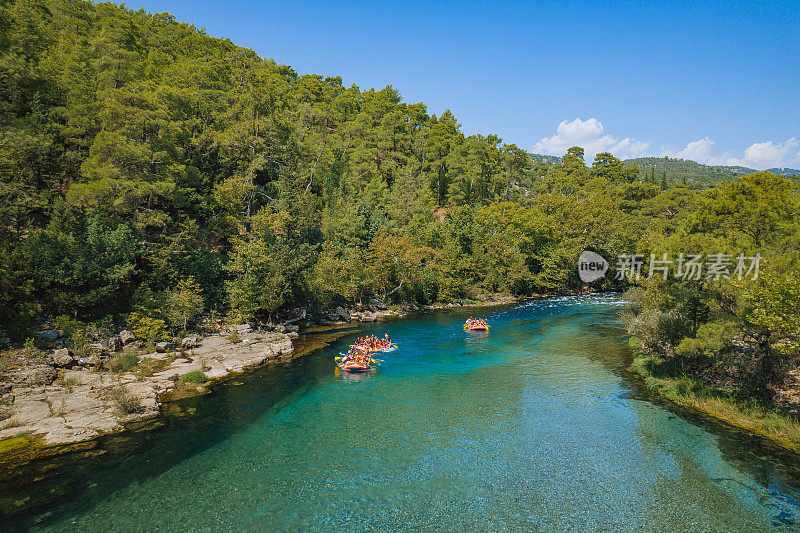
760	156
770	154
699	150
588	134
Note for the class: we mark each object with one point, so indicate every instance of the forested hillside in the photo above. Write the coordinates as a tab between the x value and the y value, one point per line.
139	153
656	169
148	168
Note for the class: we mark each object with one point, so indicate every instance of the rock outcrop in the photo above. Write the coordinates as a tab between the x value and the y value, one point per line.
127	337
62	358
82	404
190	342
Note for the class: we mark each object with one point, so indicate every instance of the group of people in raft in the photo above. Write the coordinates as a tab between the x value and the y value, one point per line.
359	357
474	324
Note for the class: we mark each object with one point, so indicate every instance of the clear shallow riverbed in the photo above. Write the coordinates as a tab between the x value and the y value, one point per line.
535	426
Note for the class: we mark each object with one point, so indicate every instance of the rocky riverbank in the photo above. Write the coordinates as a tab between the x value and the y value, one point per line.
56	397
57	401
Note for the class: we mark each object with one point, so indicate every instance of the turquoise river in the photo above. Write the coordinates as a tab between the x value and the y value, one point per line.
535	426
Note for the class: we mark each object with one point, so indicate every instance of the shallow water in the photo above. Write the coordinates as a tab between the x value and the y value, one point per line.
533	426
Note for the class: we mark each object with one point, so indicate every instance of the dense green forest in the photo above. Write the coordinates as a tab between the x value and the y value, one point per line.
672	170
148	168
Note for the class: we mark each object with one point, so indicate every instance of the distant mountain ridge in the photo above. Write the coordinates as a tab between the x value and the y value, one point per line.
549	159
680	170
785	171
692	172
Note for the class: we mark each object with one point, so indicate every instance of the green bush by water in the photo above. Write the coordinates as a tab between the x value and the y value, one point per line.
195	376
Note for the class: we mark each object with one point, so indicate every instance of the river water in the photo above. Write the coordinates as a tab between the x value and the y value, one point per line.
534	426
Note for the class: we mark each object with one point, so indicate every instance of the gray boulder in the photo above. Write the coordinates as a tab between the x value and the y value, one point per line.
97	348
62	358
291	328
378	304
190	342
114	343
90	361
164	347
343	314
127	337
51	335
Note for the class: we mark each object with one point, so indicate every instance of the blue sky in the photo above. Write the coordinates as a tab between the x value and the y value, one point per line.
715	82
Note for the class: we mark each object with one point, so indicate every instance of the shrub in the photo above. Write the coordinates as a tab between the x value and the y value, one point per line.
195	376
124	361
147	328
67	382
29	348
68	325
124	400
185	303
5	358
234	336
145	368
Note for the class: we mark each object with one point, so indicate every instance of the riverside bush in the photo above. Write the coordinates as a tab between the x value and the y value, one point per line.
123	399
124	361
195	376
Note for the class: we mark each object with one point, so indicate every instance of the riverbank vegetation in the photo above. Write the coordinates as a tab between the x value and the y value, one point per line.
750	414
151	172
